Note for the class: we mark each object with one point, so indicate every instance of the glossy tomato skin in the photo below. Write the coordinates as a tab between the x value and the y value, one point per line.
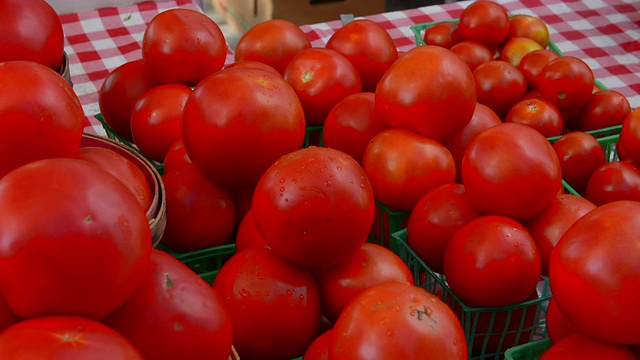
31	31
613	288
399	180
580	155
273	42
174	314
45	126
531	66
176	156
558	326
247	124
582	347
368	46
64	337
248	236
321	77
613	181
404	99
319	348
77	216
516	48
274	305
444	34
524	175
183	46
484	21
499	85
567	82
397	321
629	140
529	26
605	108
539	114
314	206
473	53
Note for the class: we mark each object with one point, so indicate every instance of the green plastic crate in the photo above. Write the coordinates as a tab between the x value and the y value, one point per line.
206	262
386	222
528	351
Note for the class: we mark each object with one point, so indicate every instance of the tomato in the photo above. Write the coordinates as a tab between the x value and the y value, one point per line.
371	265
176	156
258	116
529	26
605	108
242	197
274	304
580	155
64	337
68	216
403	166
248	236
7	316
531	66
174	314
122	168
473	53
156	118
616	180
629	140
200	213
558	326
444	34
516	48
251	64
548	226
582	347
314	206
567	82
119	93
46	126
368	46
319	348
31	31
397	321
492	261
484	21
511	170
538	114
273	42
499	85
438	215
405	99
183	46
321	78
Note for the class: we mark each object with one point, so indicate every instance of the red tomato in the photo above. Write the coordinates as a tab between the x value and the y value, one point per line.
200	213
580	155
351	125
567	82
531	66
176	156
156	118
529	26
444	34
183	46
319	348
7	316
314	206
64	337
613	181
403	166
499	85
31	31
473	53
321	78
492	261
248	236
538	114
368	46
582	347
273	42
594	270
516	48
174	314
397	321
274	305
484	21
404	99
119	93
122	168
435	219
548	226
605	108
369	266
558	326
629	140
48	125
258	116
252	64
511	170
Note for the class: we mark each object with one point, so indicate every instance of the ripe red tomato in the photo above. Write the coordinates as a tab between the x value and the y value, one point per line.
511	170
176	156
31	31
371	265
368	46
119	93
200	213
492	261
258	116
274	304
444	34
567	82
402	166
67	216
248	236
174	314
558	326
580	155
539	114
613	181
64	337
273	42
183	46
404	99
314	206
319	348
156	118
629	141
529	26
531	66
605	108
473	53
251	64
7	316
484	21
499	85
438	215
395	321
48	125
516	48
321	78
582	347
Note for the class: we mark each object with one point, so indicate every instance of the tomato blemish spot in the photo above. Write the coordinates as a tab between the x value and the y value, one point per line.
168	282
561	95
307	76
88	218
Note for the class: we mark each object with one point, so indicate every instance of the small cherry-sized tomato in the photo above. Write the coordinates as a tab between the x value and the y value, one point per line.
605	108
516	48
614	181
529	26
444	34
473	53
567	82
629	141
499	85
531	66
484	21
580	155
538	114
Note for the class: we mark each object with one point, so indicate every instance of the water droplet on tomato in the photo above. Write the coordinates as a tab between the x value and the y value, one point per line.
384	321
338	167
289	293
286	199
362	185
282	189
390	332
301	297
327	183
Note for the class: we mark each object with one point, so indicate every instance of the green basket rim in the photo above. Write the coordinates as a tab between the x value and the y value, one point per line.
528	351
